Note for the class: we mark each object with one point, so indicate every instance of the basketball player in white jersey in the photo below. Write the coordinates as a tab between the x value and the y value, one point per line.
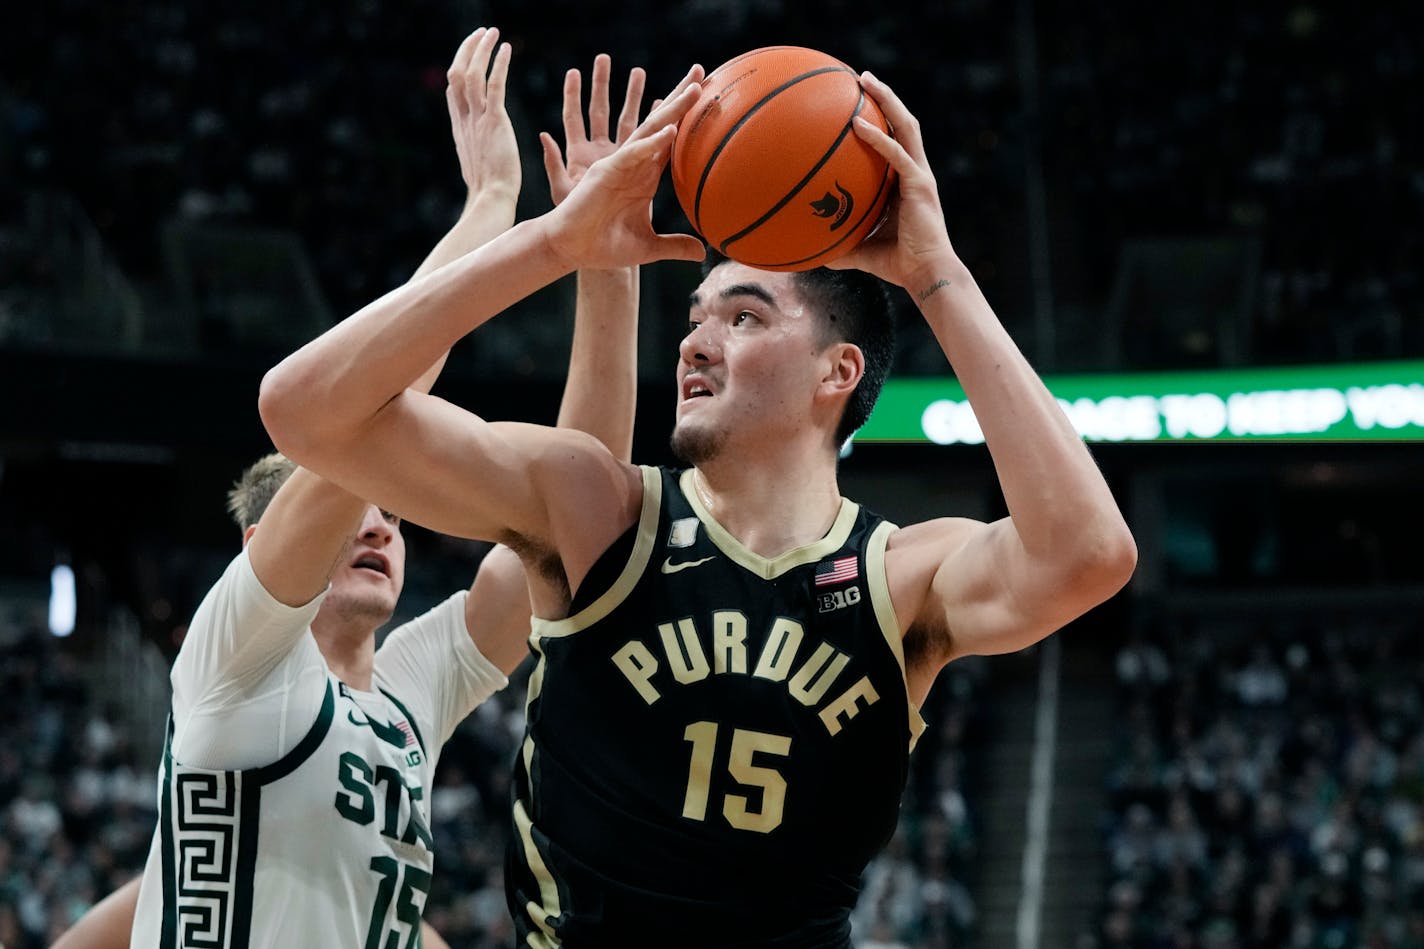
295	779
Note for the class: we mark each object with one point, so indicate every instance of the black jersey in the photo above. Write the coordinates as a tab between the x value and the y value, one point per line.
717	743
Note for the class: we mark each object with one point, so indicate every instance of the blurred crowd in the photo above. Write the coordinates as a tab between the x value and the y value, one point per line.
1284	123
1287	121
1269	791
77	807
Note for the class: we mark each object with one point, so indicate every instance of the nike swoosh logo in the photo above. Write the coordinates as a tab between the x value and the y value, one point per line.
389	734
670	567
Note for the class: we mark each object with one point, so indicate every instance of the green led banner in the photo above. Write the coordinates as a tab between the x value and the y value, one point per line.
1359	401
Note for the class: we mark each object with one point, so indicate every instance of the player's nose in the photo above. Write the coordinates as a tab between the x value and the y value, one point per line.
701	346
375	527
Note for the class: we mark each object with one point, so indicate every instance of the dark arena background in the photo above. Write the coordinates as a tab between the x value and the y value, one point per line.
1203	222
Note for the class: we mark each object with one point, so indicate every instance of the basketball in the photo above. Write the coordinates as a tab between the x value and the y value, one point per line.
768	167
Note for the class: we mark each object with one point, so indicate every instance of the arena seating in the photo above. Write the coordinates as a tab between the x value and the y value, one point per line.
1276	125
1269	788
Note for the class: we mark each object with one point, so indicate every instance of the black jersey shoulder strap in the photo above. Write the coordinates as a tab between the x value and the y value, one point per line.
642	548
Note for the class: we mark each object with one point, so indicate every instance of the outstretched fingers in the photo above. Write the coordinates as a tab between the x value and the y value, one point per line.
461	62
598	108
640	164
574	130
647	149
554	167
670	111
632	103
467	90
455	75
498	78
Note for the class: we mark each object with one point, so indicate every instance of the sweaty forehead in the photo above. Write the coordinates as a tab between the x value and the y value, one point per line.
731	280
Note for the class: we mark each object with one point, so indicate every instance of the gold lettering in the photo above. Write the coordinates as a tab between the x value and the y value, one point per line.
779	652
688	661
801	687
845	705
729	642
636	662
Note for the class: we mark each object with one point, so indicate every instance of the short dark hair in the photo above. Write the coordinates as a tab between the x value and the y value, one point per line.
252	492
853	307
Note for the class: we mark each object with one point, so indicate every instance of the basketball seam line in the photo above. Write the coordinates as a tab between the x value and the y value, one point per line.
721	146
860	104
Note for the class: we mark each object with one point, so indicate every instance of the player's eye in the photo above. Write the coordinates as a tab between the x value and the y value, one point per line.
390	518
743	317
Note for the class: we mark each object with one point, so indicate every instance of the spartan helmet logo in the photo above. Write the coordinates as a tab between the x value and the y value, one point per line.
837	209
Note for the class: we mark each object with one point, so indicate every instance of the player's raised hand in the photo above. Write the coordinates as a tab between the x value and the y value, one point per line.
484	136
585	144
914	240
607	221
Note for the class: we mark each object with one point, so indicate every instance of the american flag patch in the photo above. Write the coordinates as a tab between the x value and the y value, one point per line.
406	730
838	571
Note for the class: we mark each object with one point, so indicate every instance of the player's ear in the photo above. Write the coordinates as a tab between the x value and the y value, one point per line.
247	534
845	366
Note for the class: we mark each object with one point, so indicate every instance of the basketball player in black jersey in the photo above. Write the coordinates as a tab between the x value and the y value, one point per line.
730	657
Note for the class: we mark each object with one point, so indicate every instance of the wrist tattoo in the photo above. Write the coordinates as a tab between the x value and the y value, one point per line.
932	289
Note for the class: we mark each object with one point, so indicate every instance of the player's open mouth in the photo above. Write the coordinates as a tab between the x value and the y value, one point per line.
694	389
374	562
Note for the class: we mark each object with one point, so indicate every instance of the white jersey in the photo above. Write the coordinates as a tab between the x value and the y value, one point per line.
293	809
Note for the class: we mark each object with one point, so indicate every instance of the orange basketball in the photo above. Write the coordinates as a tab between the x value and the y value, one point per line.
768	167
